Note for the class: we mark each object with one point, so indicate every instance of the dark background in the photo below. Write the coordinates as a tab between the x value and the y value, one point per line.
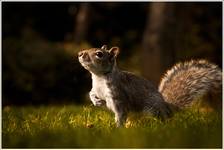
40	41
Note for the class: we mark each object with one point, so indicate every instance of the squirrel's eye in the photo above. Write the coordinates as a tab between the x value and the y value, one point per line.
99	54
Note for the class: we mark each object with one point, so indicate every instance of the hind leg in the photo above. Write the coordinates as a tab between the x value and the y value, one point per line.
160	110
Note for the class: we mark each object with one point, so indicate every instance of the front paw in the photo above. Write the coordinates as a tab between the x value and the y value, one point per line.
95	100
99	103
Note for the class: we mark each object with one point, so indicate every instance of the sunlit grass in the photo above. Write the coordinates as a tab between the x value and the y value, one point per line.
92	127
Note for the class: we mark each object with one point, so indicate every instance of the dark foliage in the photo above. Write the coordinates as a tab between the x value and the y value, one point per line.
36	71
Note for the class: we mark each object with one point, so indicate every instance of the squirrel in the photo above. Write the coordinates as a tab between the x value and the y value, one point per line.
123	92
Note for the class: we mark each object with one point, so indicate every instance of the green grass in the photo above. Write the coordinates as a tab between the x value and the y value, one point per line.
92	127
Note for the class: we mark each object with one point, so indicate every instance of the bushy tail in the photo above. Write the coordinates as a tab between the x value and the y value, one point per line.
190	82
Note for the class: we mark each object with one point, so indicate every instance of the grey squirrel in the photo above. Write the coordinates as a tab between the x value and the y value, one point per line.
123	92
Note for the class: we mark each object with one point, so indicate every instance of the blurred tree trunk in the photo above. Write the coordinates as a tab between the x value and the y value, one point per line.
82	21
158	47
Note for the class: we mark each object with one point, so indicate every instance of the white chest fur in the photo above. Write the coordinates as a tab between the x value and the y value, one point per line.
100	87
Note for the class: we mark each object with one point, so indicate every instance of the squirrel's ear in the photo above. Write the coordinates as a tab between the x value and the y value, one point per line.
104	47
114	51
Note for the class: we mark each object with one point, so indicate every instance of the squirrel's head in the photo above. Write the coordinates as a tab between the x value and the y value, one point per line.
99	60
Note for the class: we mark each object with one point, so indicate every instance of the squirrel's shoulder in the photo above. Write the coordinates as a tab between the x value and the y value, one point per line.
130	78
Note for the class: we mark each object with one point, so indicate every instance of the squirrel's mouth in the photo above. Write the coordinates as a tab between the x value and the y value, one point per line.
84	63
84	59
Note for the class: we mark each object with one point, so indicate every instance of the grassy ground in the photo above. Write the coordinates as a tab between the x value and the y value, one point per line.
92	127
